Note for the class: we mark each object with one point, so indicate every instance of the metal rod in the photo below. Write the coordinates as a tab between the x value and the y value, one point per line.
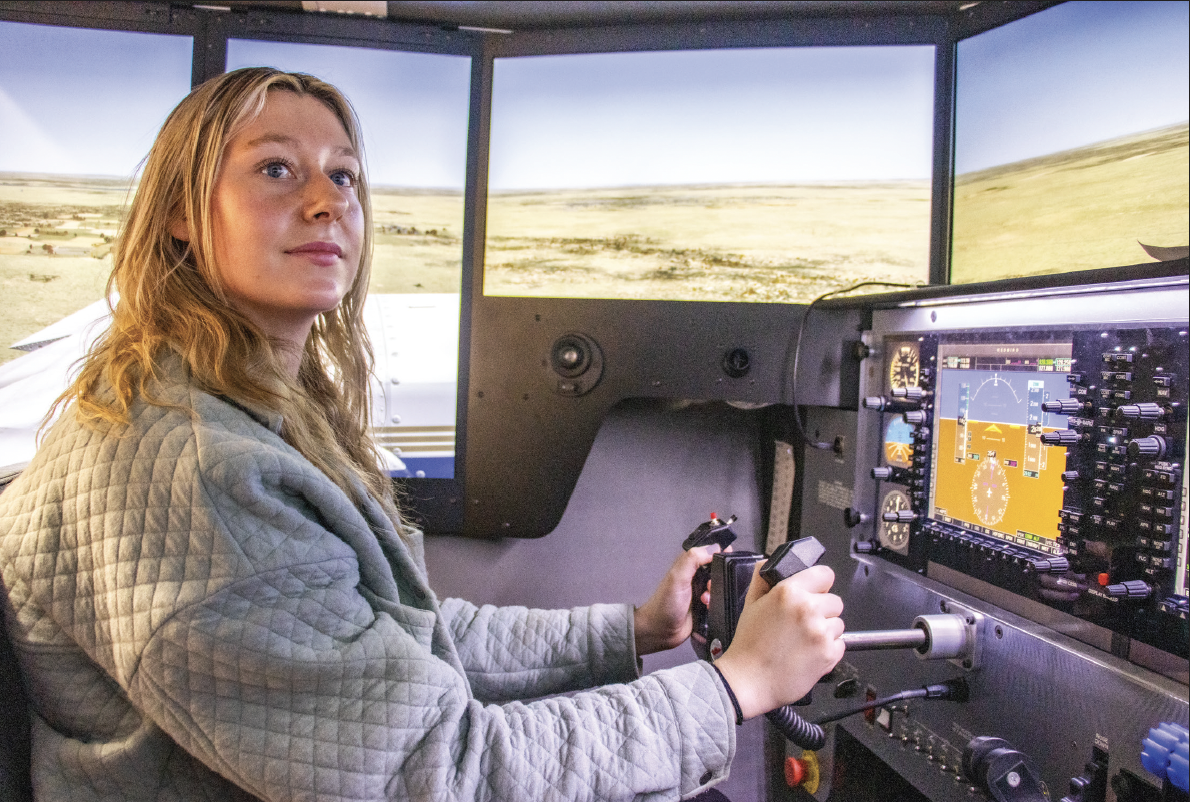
885	639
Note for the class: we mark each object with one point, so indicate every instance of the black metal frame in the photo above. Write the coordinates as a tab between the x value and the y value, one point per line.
438	503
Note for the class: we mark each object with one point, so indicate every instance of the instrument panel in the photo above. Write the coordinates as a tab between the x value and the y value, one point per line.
1046	463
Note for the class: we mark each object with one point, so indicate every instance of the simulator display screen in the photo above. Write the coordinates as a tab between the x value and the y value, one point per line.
991	474
1071	141
751	174
413	111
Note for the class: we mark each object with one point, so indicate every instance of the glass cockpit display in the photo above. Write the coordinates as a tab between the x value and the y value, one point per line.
992	474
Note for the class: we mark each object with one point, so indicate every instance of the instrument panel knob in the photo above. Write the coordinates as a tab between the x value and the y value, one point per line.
1152	447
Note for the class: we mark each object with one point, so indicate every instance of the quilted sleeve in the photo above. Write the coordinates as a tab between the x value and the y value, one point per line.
292	685
316	677
516	652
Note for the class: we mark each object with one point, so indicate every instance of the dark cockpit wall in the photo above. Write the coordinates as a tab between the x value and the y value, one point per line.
594	433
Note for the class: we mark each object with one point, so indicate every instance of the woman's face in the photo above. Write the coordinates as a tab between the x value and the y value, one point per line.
287	223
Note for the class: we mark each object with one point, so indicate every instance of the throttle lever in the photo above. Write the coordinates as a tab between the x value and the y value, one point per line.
708	532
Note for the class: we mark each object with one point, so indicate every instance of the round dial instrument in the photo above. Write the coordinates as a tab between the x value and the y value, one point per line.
905	368
989	492
894	536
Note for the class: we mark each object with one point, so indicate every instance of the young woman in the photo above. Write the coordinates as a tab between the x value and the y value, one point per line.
209	586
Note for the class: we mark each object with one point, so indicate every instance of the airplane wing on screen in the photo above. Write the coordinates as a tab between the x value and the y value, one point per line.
415	338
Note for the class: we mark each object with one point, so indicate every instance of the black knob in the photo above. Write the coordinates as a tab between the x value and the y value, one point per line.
1001	771
1145	411
1050	565
1069	476
866	547
914	417
853	518
915	394
737	363
899	517
1066	406
1152	447
1063	437
1132	589
892	474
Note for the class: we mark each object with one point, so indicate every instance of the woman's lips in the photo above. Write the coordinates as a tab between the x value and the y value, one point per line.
321	253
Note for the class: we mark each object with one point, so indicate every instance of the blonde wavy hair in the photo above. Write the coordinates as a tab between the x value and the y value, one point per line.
171	297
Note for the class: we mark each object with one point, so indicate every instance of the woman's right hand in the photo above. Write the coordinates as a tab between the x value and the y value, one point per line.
786	639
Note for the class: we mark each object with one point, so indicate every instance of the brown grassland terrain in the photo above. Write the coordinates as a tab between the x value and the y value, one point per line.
709	243
1075	209
417	246
760	243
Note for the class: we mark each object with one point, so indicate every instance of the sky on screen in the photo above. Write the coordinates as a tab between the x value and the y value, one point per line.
81	101
89	102
1068	76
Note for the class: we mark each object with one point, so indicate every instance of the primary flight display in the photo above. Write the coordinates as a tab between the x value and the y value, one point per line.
992	474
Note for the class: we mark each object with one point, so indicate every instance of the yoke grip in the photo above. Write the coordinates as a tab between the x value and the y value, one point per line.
790	558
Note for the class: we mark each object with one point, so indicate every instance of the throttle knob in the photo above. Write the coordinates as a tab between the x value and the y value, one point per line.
1066	406
1145	411
899	516
1152	447
1064	437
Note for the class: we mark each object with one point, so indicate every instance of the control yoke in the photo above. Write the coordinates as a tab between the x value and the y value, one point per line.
952	635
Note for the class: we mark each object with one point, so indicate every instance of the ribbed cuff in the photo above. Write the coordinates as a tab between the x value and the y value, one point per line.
739	714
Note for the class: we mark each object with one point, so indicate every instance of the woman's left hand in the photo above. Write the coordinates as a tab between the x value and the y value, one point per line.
664	621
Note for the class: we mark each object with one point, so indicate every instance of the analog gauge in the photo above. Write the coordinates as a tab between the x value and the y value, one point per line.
905	369
989	492
894	535
898	443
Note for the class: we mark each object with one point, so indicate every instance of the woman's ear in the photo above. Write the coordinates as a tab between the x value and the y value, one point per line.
179	228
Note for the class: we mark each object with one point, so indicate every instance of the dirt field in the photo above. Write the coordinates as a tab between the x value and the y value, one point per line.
714	243
57	233
418	245
1073	210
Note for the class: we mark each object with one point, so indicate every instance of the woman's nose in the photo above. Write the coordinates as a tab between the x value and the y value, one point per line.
324	198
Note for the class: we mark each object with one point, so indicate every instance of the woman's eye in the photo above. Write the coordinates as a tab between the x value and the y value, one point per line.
344	178
276	170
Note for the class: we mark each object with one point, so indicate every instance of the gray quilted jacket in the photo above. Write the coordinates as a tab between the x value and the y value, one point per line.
201	614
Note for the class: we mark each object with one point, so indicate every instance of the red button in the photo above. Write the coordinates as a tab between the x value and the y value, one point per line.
795	772
1104	579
